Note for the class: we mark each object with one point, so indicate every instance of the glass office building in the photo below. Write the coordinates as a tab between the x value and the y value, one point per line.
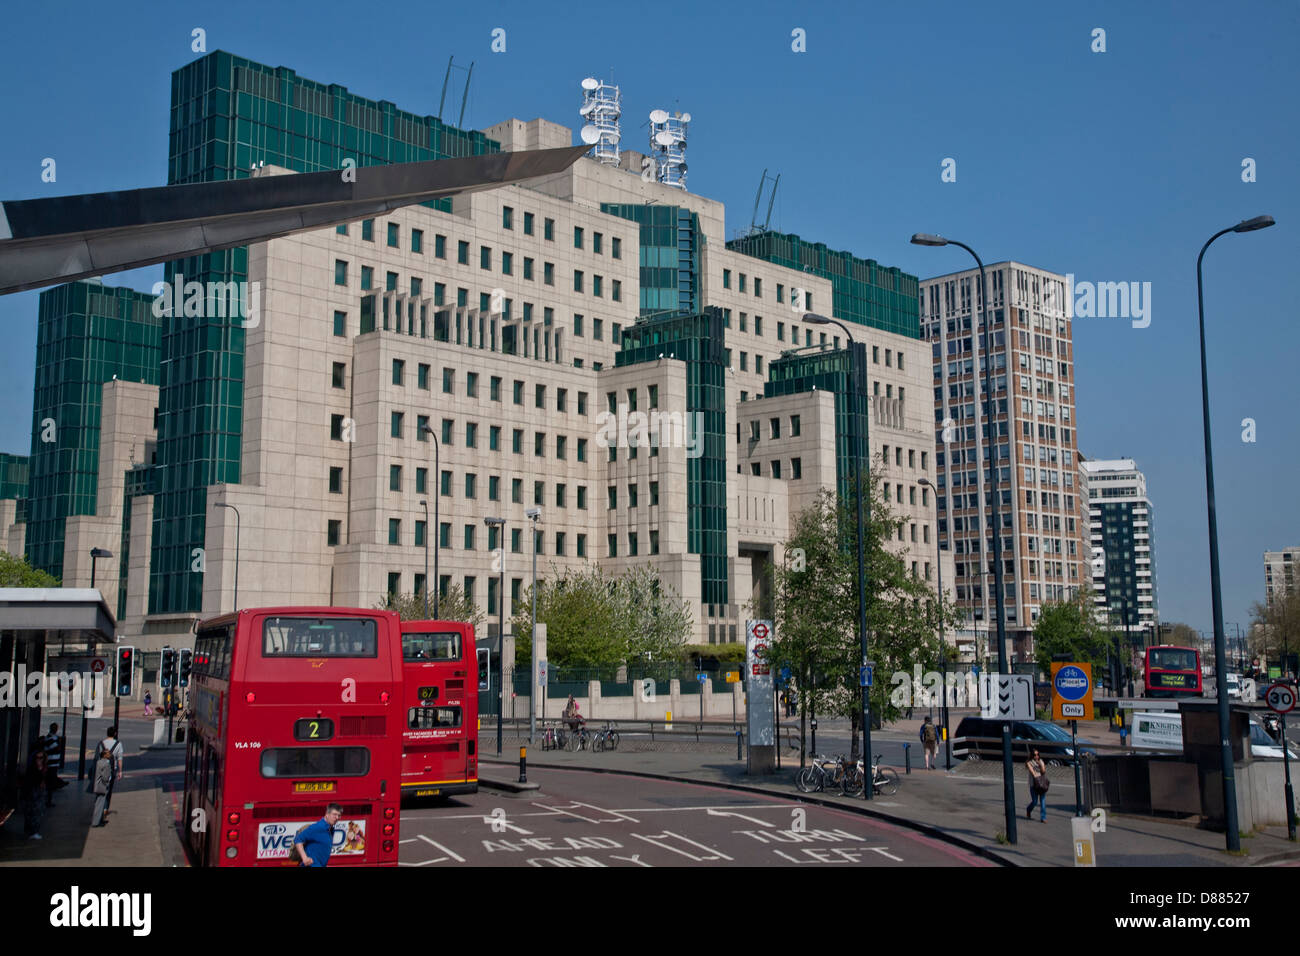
670	256
229	114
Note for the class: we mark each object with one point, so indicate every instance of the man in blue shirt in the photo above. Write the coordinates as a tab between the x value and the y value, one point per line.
315	843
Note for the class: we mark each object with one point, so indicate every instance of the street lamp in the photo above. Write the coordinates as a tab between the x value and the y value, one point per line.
425	505
943	641
812	318
95	555
437	476
1008	781
536	515
1220	660
500	525
222	504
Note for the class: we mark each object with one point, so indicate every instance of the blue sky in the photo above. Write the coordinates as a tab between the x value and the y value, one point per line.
1114	166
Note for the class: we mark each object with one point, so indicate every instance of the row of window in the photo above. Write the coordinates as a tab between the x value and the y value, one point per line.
507	222
560	541
341	268
775	470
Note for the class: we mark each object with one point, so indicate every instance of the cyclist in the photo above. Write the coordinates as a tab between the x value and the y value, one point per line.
572	716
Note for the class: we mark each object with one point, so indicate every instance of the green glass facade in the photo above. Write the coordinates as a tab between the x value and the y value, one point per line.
1120	546
862	290
87	334
670	256
844	373
698	341
228	113
13	475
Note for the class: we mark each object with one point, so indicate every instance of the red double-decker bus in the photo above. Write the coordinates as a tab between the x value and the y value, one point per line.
440	730
293	709
1172	671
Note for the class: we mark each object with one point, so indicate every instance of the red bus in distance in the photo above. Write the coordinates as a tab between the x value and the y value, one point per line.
1172	671
292	709
440	709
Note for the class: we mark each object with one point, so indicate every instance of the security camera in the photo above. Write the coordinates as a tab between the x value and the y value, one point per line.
534	513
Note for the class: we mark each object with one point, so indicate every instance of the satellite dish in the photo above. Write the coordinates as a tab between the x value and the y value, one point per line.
590	134
658	116
683	169
686	117
587	108
664	138
590	83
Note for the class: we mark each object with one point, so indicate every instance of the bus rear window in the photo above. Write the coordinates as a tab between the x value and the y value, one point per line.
1173	658
319	637
432	718
440	646
316	762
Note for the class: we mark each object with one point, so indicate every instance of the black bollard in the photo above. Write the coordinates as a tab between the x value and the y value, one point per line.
739	754
907	757
523	764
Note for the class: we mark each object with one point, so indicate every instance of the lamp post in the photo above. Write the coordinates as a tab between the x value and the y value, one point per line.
500	525
855	438
437	476
1008	781
95	555
536	515
943	641
222	504
425	505
1220	660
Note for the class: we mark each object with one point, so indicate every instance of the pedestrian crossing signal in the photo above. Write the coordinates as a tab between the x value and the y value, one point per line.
125	670
484	669
167	672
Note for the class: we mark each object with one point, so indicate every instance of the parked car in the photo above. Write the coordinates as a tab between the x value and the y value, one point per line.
1234	686
1052	742
1263	745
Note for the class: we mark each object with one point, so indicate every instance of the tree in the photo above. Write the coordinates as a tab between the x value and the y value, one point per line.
1071	627
815	607
597	620
452	606
1275	629
15	572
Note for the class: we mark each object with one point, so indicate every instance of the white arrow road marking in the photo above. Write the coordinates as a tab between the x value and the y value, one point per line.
657	840
727	813
451	853
877	849
500	824
441	859
634	858
614	816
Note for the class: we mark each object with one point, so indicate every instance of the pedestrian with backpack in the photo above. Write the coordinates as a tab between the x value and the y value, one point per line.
930	742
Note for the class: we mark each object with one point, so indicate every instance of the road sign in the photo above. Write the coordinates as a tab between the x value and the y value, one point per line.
733	677
1280	698
701	677
1071	691
1007	696
1084	848
541	673
98	665
867	674
760	630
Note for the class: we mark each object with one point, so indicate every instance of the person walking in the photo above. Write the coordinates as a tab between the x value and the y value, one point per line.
315	843
102	786
930	741
34	794
1038	785
115	754
52	743
148	704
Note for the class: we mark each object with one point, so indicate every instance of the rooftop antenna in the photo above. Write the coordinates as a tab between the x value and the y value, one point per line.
446	82
753	224
668	133
602	108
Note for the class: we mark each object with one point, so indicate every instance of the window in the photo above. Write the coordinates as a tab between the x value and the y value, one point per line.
445	482
421	481
742	282
631	543
417	240
758	294
654	493
577	280
616	247
631	495
528	268
471	434
448	381
582	403
420	530
342	230
613	497
559	542
582	496
539	444
341	324
561	444
794	426
596	285
392	234
519	392
528	224
495	388
548	273
796	468
507	217
394	530
485	257
776	469
775	425
516	540
654	542
507	263
335	530
539	492
613	546
340	272
469	546
517	441
396	425
399	371
517	490
462	252
336	481
561	399
471	485
444	537
616	293
422	376
582	545
596	238
577	237
560	496
598	329
390	282
446	431
340	378
539	396
548	230
726	278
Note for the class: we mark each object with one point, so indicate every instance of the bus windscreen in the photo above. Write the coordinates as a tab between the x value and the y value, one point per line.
319	637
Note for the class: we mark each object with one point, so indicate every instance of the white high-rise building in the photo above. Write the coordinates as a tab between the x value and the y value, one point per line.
1121	550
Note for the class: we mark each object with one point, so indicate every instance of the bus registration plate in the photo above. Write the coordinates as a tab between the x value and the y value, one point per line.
313	786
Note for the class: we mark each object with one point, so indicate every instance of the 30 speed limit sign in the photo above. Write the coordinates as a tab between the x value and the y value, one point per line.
1280	698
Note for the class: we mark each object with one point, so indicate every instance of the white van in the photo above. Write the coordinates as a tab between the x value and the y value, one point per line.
1164	731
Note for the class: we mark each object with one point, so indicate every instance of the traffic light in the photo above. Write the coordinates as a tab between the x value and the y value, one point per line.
167	673
484	669
125	670
187	661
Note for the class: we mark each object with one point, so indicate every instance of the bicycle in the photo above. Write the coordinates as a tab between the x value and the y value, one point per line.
824	773
884	780
554	738
577	739
606	739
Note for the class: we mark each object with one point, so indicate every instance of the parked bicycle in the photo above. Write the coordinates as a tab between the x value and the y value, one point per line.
884	780
554	738
606	739
578	739
824	774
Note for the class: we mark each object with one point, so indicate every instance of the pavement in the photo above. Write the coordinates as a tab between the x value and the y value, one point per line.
963	806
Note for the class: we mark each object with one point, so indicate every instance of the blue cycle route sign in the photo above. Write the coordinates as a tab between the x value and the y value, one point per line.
1072	683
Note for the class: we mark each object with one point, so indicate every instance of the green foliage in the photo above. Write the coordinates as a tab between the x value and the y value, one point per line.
722	653
15	572
451	607
815	609
1070	627
597	620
